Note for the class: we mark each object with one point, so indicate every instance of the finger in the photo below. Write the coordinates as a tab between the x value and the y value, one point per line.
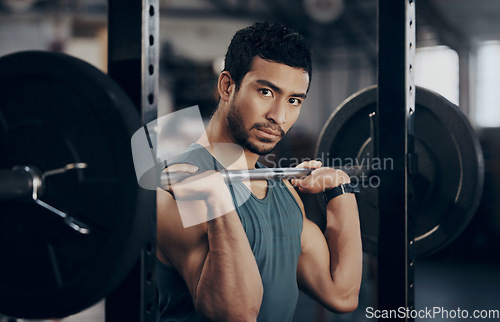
310	164
303	164
177	173
316	164
182	167
299	183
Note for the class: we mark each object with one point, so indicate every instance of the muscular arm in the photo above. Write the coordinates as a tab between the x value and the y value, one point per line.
214	258
330	265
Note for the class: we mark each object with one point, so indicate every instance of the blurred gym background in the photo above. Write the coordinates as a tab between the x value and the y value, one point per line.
458	56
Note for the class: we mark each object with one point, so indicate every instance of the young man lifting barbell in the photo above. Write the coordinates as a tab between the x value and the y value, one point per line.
248	262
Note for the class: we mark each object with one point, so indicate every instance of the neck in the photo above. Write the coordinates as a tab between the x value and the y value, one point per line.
231	157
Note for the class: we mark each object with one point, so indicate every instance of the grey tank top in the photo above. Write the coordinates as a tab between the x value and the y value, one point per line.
273	226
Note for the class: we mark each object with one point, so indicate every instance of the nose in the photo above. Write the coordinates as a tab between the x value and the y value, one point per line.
277	113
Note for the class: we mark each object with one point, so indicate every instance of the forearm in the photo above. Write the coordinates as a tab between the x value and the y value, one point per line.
217	262
230	286
344	242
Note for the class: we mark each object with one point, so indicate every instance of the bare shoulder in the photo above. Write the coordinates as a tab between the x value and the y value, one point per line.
296	196
183	248
311	234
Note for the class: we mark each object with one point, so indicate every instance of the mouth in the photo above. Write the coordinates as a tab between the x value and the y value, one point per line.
269	133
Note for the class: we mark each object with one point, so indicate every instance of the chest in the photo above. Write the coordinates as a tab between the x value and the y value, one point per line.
273	223
257	187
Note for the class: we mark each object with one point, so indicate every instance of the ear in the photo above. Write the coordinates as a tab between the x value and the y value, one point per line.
224	85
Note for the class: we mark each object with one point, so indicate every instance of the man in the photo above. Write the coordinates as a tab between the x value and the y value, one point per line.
248	263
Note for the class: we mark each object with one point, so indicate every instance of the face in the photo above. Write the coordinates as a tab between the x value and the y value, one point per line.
266	105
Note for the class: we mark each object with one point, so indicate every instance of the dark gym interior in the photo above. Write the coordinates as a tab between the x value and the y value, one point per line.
457	56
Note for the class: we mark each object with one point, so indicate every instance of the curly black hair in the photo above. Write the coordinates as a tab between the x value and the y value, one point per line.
270	41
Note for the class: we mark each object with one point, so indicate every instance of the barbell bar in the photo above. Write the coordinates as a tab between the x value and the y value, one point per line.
24	183
170	178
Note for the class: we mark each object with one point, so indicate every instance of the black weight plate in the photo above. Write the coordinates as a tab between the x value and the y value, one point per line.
56	110
447	187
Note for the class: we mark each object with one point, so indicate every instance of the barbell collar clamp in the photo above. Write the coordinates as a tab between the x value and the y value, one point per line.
75	224
68	167
28	184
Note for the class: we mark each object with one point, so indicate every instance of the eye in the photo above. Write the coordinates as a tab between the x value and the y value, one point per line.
295	101
266	92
